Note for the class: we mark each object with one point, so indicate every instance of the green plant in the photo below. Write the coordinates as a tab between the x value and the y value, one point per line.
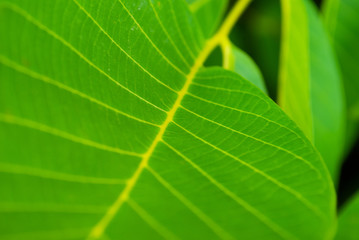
112	126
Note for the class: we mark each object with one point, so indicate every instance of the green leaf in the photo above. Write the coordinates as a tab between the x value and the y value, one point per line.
240	62
310	85
110	128
233	58
348	223
259	35
208	13
342	21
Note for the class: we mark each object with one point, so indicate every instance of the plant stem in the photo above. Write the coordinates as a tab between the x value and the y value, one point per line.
228	58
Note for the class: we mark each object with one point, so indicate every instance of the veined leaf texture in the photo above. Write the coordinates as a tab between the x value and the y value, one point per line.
111	128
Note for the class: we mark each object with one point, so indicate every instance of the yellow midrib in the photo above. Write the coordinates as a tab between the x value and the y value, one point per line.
222	34
101	226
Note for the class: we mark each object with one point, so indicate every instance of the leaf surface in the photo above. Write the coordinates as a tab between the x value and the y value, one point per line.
110	128
310	84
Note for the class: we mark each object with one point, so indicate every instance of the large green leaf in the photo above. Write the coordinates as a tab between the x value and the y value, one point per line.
348	223
110	129
342	21
310	85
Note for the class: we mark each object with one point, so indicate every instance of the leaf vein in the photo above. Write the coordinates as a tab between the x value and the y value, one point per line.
256	139
15	120
168	35
288	189
273	226
53	208
246	112
24	70
201	215
150	40
122	50
48	174
162	230
31	19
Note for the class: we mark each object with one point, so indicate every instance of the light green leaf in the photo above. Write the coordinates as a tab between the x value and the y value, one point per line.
233	58
342	21
208	13
111	129
310	85
348	223
240	62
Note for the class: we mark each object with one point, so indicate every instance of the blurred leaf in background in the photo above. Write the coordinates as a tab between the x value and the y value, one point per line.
348	222
227	55
341	18
240	62
310	89
258	34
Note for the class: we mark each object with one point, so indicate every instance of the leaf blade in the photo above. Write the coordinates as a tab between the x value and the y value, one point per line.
169	199
340	18
310	87
238	61
348	221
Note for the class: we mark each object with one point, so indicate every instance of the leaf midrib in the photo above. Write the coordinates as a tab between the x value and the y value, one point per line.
98	230
102	224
